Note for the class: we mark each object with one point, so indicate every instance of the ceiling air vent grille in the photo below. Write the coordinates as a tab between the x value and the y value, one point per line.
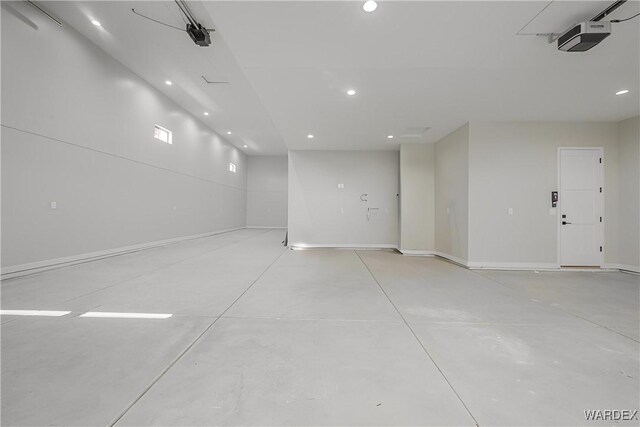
414	132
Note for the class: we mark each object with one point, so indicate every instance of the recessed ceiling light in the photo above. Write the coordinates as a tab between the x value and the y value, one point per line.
96	23
390	136
622	92
370	6
168	83
206	114
245	146
310	136
351	92
229	133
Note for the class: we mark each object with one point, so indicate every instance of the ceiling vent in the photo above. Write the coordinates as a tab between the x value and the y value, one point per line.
414	132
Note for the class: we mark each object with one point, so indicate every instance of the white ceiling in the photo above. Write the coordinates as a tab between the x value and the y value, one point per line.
435	64
157	53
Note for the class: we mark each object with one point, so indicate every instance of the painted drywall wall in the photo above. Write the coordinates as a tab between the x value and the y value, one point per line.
629	213
322	214
267	191
77	129
417	198
515	165
452	194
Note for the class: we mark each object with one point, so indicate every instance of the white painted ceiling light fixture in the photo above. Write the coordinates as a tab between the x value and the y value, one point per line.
370	6
206	113
310	136
96	23
622	92
389	136
351	92
168	82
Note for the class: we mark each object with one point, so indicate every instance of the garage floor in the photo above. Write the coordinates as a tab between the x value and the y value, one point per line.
262	335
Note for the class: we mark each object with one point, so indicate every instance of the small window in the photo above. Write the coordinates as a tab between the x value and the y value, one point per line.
232	167
163	134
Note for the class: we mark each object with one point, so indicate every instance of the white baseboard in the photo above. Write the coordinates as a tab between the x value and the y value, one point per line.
265	226
484	265
35	267
492	265
411	252
454	259
341	246
625	267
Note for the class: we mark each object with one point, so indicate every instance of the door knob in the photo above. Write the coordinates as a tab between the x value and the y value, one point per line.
565	223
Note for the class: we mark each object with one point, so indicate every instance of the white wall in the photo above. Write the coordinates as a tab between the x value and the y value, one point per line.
515	165
452	194
629	133
417	197
77	128
321	214
267	191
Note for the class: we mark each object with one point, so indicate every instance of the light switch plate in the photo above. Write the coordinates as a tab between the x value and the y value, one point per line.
340	185
510	211
54	205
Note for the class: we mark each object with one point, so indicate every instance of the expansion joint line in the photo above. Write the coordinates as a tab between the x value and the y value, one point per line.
190	346
564	310
417	339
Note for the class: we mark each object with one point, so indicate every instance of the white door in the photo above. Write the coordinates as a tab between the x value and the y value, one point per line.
580	202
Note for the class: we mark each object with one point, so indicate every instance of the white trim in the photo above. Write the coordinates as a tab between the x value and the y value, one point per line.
623	267
492	265
454	259
341	246
460	261
266	226
411	252
36	267
522	266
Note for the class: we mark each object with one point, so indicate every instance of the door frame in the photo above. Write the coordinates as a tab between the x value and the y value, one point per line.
602	207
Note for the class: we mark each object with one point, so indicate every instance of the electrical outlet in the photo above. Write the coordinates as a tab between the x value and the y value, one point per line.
510	211
341	186
54	205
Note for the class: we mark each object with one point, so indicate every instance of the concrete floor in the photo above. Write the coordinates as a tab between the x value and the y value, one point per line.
261	335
